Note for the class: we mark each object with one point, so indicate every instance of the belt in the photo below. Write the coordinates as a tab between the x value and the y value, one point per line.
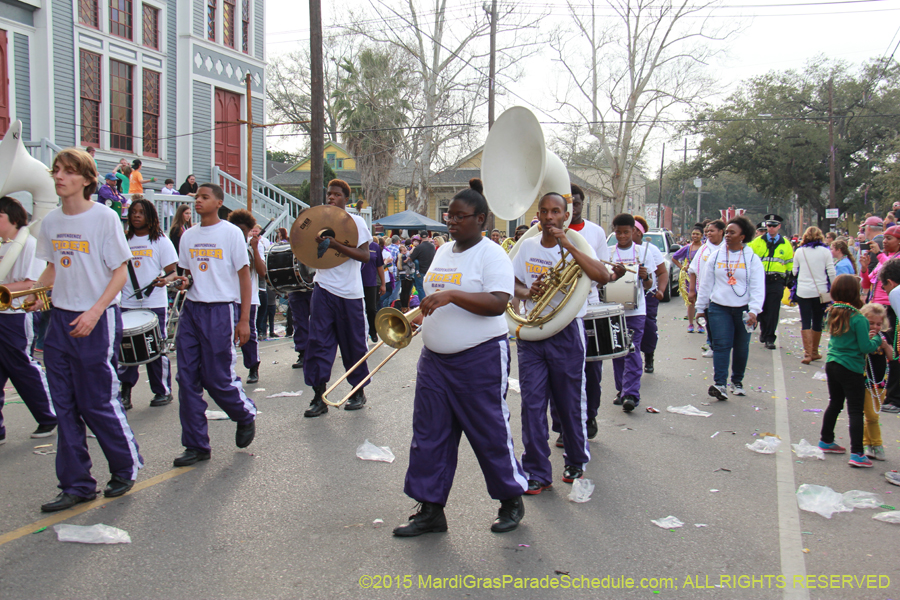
775	277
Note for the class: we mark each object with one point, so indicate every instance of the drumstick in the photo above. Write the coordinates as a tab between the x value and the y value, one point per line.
612	264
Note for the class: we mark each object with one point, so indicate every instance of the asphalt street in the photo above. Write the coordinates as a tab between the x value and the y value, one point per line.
296	515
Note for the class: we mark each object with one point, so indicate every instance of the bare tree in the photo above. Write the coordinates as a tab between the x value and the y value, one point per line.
450	72
625	75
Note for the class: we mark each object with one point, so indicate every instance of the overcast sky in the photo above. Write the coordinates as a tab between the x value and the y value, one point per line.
775	36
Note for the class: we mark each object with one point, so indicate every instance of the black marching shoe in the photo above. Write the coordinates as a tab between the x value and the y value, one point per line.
560	441
190	457
571	473
648	362
770	345
43	431
592	428
317	406
64	501
299	363
508	517
356	401
618	400
118	486
160	400
253	377
429	518
244	435
629	403
125	392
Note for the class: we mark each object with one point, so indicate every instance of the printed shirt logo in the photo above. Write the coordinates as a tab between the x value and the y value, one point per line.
137	264
535	267
207	253
148	252
440	278
73	245
66	261
203	266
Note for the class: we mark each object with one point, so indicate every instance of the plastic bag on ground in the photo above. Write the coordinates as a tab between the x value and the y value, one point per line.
92	534
369	451
286	394
861	499
806	450
669	522
766	445
888	517
821	499
821	376
581	490
688	410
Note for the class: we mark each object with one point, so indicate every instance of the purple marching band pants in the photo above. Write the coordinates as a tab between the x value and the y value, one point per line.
207	358
159	371
651	328
250	350
457	393
552	370
340	322
300	303
17	365
593	374
84	389
629	368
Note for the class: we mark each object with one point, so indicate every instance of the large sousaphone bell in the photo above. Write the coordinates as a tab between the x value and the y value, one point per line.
324	220
517	169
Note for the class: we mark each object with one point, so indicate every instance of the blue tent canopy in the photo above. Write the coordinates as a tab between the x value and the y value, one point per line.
412	221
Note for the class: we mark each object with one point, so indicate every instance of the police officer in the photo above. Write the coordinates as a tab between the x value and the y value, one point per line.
777	257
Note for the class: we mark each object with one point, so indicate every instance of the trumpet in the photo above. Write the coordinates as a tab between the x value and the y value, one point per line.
7	297
395	329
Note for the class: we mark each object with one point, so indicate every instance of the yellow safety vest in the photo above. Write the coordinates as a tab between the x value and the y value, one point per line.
780	261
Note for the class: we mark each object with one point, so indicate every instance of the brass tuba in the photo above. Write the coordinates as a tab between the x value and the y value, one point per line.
516	169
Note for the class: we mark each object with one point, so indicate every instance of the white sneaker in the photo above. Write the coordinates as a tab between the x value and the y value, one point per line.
708	353
737	389
719	392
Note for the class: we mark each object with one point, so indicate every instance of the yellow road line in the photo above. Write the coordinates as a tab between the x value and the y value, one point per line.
82	508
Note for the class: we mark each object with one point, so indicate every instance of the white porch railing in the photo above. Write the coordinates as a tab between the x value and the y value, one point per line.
44	150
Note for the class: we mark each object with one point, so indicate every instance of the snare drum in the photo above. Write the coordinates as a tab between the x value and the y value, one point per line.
285	273
607	334
141	340
624	291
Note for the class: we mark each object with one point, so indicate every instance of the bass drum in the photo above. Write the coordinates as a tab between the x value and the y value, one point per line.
285	273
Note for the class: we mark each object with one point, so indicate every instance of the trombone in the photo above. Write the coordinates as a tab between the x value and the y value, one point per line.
395	329
7	297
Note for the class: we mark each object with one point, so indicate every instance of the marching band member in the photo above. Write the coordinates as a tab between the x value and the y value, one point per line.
337	301
653	295
715	234
595	236
628	369
461	381
552	369
733	283
86	253
246	222
152	253
17	327
216	313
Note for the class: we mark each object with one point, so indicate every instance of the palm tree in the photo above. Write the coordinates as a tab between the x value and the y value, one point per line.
372	109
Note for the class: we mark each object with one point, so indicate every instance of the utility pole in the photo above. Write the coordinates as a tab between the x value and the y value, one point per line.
317	102
684	208
249	148
832	201
493	67
662	161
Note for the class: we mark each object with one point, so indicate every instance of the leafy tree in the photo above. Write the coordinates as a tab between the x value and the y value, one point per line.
282	156
372	109
303	191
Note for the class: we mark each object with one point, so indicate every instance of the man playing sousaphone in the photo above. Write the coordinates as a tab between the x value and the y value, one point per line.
552	368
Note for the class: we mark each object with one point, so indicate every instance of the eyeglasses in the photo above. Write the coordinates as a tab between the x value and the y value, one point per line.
456	218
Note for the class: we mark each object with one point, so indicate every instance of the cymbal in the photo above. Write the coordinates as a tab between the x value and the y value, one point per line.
322	220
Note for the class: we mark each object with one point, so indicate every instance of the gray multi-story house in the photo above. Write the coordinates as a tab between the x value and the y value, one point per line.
158	80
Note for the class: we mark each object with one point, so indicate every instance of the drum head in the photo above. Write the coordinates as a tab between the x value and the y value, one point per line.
605	309
139	320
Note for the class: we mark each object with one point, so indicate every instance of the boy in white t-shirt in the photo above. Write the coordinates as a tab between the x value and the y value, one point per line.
153	257
552	369
216	313
652	294
338	314
86	253
246	222
628	369
17	327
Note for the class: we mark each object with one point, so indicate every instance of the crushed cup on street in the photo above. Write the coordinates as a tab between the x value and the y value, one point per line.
669	522
806	450
861	499
91	534
766	445
369	451
688	410
216	415
889	517
820	499
581	490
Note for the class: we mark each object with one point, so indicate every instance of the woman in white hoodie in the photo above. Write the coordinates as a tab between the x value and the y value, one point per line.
814	268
